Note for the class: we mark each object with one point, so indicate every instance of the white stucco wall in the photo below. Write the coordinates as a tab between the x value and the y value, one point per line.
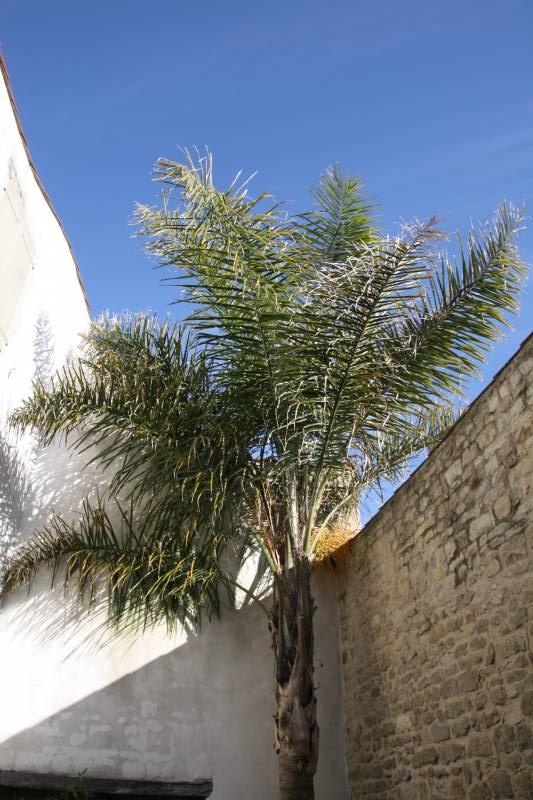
45	322
75	698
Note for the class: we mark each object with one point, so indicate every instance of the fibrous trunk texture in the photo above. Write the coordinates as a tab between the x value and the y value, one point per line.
296	726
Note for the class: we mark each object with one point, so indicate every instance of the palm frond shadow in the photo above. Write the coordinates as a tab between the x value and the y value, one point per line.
14	488
43	349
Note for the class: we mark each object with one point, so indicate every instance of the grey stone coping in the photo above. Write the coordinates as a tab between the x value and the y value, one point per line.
31	784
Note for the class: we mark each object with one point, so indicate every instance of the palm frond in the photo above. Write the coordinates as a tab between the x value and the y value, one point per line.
148	572
389	333
349	312
234	260
463	309
142	402
342	221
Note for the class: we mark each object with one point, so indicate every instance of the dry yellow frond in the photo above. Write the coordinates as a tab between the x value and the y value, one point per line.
330	540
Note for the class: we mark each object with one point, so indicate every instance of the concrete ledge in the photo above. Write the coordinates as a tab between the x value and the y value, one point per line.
32	784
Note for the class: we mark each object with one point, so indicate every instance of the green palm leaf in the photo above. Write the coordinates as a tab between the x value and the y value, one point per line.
341	223
148	571
141	400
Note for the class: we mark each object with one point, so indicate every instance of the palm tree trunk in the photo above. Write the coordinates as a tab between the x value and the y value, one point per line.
297	734
294	785
296	726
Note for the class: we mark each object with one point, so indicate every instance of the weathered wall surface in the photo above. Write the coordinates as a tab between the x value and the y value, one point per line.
436	609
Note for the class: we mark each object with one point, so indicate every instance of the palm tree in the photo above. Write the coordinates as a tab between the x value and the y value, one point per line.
317	359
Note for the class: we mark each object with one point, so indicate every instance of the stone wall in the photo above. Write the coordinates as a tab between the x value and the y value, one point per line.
436	609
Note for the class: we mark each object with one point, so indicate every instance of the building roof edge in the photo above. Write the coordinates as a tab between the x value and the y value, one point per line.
7	81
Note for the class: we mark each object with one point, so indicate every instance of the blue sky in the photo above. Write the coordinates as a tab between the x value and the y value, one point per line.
430	103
